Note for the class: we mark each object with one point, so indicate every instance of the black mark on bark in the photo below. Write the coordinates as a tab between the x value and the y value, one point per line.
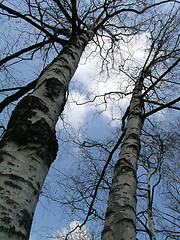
25	220
13	185
54	88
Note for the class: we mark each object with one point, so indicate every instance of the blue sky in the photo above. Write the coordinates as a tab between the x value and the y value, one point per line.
95	121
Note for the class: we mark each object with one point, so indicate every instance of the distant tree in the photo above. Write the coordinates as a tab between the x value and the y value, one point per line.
155	214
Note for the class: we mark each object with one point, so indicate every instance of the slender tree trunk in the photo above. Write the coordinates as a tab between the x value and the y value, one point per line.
120	220
29	146
150	215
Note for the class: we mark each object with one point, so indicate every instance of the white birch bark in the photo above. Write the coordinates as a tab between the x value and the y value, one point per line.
29	146
120	220
150	214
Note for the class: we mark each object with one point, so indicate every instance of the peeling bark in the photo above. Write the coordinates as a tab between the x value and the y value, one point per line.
120	220
29	146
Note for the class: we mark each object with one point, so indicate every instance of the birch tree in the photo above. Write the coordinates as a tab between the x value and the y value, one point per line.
29	145
152	193
155	89
120	221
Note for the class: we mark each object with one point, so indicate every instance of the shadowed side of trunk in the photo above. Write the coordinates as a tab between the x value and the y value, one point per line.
29	146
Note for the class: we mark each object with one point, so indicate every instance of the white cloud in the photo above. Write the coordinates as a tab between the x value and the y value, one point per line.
89	78
96	86
75	114
78	233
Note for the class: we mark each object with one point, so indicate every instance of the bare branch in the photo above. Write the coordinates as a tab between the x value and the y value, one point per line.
161	77
108	16
17	95
66	14
74	17
24	50
160	104
18	14
102	174
161	107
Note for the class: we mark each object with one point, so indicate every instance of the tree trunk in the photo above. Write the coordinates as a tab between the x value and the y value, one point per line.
149	203
120	220
29	146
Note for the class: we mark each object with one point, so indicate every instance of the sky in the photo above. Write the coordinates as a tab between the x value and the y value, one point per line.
95	118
